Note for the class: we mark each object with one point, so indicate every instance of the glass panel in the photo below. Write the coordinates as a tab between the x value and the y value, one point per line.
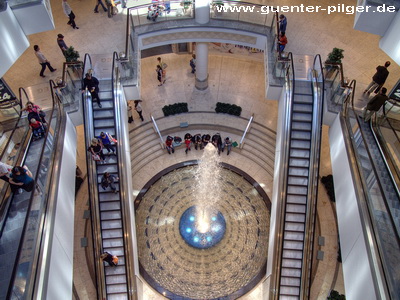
31	237
384	226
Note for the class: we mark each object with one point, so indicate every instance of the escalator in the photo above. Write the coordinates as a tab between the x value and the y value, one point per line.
106	206
304	122
379	198
22	215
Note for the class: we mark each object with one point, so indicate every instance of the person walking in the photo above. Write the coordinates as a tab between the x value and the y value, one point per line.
192	63
61	43
69	13
138	108
21	178
379	78
96	8
42	61
375	104
92	84
282	23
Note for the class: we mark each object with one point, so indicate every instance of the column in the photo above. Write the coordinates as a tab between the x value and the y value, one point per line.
202	13
201	66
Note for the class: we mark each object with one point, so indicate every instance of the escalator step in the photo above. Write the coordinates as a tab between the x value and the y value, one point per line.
111	224
292	263
113	243
291	272
296	199
111	215
119	296
290	281
301	125
297	190
115	279
297	246
293	236
111	233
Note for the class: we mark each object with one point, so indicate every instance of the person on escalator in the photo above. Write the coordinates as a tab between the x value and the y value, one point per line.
34	111
21	178
96	149
112	260
37	129
92	84
108	180
375	104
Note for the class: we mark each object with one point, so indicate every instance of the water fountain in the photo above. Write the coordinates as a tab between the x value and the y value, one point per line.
202	225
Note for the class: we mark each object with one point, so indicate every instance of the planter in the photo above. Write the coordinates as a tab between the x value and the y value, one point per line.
227	108
174	109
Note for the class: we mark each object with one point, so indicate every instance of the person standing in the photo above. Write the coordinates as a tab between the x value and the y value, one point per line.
282	23
21	177
378	80
108	180
106	141
375	104
96	8
69	13
61	43
163	67
92	84
96	148
169	145
282	42
34	111
188	141
138	108
192	63
42	61
159	75
112	260
130	116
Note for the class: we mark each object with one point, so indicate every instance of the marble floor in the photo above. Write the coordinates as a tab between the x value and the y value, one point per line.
307	33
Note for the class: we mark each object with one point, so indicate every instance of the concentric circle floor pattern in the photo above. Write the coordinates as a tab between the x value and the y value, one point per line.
193	273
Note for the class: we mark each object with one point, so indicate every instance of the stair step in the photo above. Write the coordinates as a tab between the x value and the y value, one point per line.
111	224
111	215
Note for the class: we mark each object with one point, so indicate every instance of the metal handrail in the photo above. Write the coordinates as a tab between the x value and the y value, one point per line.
19	251
374	252
46	227
280	210
312	194
245	131
92	188
158	132
121	158
340	67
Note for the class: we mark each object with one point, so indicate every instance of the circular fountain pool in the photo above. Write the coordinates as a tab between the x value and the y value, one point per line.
226	268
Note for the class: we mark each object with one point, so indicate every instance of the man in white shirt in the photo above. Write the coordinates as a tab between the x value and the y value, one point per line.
42	61
70	14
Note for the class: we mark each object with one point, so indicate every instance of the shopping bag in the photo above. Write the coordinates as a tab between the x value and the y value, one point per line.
96	157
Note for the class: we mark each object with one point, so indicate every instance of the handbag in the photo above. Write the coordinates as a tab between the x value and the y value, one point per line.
96	157
115	260
164	66
112	140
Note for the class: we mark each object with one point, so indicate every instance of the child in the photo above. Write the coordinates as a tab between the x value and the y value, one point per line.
37	129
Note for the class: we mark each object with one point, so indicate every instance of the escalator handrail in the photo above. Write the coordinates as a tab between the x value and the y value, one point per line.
379	276
92	187
390	162
122	172
281	209
39	277
312	193
19	251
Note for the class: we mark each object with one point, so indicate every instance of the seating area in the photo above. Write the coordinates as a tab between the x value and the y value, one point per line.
149	156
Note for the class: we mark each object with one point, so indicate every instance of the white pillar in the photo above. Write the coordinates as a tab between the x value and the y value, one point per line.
202	11
201	66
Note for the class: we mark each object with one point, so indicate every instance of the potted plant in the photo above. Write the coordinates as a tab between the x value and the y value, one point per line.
335	57
334	295
71	55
